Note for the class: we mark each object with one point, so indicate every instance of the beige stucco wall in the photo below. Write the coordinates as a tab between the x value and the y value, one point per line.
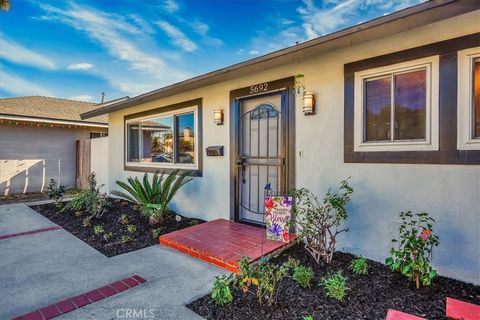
30	156
451	193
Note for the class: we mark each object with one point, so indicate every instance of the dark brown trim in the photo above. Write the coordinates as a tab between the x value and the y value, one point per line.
185	104
285	87
447	153
272	86
403	20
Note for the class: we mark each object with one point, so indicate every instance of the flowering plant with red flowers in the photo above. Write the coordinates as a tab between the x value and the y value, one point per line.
414	253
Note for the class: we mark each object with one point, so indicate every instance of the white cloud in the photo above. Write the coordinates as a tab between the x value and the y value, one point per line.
16	53
111	32
16	85
178	38
171	6
200	27
80	66
82	97
318	21
254	52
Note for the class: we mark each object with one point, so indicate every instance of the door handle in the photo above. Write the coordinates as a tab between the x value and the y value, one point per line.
241	161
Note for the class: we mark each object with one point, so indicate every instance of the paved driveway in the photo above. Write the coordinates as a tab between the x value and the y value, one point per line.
37	270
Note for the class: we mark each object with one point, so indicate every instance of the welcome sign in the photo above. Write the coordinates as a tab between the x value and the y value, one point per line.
278	212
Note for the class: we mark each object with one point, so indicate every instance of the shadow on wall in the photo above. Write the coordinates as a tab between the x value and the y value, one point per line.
33	175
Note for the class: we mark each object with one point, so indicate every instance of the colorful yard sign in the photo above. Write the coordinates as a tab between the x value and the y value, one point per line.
277	217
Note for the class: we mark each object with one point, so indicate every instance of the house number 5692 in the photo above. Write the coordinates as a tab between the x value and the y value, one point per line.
262	87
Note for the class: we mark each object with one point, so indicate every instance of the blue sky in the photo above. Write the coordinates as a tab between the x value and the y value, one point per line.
79	49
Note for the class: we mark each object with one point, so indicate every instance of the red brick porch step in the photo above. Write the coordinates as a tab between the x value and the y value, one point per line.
70	304
461	310
398	315
222	242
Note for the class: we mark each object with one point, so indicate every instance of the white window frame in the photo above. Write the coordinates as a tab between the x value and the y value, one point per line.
163	165
431	65
465	139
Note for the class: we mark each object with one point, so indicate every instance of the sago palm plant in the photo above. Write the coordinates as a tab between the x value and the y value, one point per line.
158	192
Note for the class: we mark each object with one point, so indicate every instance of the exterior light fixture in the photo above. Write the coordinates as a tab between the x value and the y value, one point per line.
218	116
308	103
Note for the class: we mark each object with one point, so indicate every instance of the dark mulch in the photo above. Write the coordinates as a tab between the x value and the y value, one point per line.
369	296
141	238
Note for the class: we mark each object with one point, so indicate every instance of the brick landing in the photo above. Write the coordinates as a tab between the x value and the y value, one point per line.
222	242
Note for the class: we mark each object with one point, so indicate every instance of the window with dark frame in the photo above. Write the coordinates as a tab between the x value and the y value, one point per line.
395	107
476	97
162	139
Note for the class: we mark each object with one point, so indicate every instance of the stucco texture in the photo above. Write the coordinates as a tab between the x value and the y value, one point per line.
30	156
450	193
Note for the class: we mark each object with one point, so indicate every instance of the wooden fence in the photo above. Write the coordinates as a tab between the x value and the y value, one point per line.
83	162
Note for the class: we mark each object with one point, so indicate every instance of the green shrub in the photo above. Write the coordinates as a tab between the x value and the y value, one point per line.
98	229
359	266
56	192
263	277
157	232
221	293
123	219
90	200
87	222
108	236
126	238
321	220
412	258
308	318
335	285
131	228
303	276
159	191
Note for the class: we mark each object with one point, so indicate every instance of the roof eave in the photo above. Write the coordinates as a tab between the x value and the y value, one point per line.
10	117
422	14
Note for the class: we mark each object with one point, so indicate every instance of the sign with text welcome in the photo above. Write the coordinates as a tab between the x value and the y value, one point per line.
278	211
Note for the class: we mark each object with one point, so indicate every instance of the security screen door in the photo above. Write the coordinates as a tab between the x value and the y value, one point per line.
260	154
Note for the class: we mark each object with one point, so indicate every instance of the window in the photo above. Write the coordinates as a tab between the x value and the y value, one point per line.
94	135
469	99
165	140
396	107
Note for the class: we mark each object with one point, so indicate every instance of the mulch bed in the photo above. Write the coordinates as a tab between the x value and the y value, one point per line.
141	238
369	296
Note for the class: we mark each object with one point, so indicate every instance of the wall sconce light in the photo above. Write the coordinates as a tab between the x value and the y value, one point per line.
308	103
218	116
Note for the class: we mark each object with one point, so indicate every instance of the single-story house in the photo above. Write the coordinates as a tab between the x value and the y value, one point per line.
396	107
38	141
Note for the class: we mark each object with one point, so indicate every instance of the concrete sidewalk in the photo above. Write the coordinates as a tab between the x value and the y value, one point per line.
41	269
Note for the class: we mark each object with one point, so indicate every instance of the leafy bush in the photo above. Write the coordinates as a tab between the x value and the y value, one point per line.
303	276
56	192
264	278
359	266
123	219
87	222
221	293
157	232
98	229
320	220
126	238
90	200
335	285
131	228
158	191
308	318
412	258
108	236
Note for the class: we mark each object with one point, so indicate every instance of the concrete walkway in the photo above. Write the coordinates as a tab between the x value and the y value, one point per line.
44	268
